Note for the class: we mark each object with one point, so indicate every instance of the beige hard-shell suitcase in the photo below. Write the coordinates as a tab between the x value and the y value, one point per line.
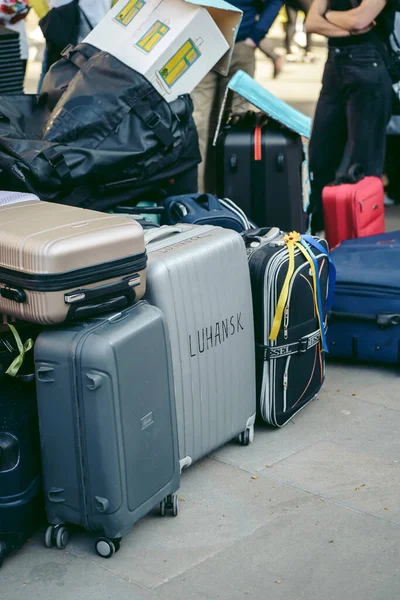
61	263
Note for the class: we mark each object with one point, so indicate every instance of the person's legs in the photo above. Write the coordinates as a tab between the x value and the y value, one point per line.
203	97
290	27
327	142
243	59
368	107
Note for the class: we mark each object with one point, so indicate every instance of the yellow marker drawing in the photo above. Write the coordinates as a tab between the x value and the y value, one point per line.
129	12
179	63
154	35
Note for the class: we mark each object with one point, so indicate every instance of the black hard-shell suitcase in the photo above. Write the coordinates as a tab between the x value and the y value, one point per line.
259	167
290	370
108	424
21	502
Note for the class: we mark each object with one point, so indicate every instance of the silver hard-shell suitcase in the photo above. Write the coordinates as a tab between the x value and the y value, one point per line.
107	423
198	276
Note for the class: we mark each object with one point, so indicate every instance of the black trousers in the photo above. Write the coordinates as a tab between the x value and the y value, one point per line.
350	122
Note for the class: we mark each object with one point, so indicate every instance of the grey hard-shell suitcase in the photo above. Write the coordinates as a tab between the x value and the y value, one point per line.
108	424
199	278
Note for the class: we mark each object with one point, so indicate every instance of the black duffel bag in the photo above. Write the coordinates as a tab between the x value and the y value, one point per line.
110	135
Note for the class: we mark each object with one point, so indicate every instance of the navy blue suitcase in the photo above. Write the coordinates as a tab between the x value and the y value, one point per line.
365	318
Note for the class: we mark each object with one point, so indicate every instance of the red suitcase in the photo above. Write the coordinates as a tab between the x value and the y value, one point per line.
353	210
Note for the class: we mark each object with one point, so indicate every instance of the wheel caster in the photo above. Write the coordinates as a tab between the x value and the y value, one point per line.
244	437
163	507
62	537
48	537
174	505
105	547
251	434
117	543
3	553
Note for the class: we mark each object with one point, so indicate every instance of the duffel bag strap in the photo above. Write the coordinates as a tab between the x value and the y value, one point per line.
57	161
152	120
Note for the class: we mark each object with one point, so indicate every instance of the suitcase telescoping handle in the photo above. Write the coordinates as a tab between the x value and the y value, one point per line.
155	235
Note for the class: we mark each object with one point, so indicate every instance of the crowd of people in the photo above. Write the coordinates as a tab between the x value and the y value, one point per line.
355	103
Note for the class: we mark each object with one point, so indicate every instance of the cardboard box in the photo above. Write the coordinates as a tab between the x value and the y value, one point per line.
173	43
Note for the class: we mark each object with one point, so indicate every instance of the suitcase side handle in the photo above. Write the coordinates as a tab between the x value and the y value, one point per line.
159	234
268	233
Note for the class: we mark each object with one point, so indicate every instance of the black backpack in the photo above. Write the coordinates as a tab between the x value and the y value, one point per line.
110	136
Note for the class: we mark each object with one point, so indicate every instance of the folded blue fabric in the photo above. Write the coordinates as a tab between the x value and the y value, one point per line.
280	111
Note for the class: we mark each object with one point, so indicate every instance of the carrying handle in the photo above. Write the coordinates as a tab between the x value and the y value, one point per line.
159	234
268	233
139	210
209	200
87	303
382	320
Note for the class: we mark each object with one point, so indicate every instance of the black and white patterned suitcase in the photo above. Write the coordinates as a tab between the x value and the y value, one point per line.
290	368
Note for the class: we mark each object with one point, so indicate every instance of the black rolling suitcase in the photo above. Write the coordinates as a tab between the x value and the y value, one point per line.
21	503
290	337
259	167
11	66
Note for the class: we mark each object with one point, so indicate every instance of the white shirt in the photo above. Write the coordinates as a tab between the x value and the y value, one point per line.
94	10
23	38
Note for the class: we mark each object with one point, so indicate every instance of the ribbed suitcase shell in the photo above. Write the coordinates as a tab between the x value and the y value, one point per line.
353	210
9	49
198	276
286	380
107	420
40	240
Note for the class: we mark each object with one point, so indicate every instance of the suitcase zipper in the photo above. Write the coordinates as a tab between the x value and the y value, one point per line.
55	282
286	383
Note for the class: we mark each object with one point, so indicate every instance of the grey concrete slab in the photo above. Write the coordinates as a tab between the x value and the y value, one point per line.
320	551
221	506
322	417
37	573
353	378
355	478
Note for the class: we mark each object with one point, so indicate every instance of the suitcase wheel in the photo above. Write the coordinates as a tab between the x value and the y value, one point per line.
56	535
247	436
106	548
169	503
3	553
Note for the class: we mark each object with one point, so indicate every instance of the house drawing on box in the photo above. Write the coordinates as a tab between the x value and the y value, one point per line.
178	64
129	12
153	36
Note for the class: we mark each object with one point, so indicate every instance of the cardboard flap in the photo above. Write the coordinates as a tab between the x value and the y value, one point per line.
228	19
280	111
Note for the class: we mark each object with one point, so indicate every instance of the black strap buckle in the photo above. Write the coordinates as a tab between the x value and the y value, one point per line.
66	53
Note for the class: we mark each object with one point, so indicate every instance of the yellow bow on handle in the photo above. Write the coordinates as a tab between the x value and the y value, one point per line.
294	240
23	349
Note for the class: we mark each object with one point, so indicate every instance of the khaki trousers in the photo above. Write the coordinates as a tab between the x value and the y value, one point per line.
208	97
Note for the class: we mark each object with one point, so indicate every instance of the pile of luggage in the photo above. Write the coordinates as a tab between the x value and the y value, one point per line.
142	351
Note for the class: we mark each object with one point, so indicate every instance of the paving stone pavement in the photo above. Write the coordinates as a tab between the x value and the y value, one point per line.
310	511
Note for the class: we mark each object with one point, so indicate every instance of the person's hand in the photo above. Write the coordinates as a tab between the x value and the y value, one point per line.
250	42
